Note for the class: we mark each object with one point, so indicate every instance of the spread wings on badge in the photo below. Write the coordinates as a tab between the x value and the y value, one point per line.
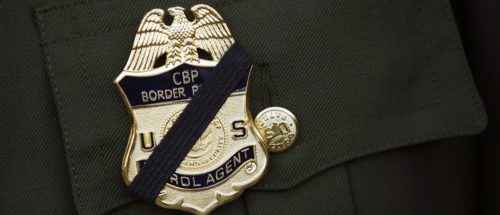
164	71
179	41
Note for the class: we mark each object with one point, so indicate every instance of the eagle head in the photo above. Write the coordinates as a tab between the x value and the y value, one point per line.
176	11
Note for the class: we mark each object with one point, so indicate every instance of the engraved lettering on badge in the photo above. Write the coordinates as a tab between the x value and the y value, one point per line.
163	73
147	141
208	148
244	158
239	129
181	79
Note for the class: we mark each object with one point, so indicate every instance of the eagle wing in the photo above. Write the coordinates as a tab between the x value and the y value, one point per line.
211	32
151	42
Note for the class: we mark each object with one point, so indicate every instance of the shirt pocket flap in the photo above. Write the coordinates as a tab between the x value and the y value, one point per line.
361	78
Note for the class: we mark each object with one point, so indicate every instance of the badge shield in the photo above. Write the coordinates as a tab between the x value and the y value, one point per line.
230	155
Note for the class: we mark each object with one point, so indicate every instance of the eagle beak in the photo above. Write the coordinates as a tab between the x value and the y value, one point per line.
171	11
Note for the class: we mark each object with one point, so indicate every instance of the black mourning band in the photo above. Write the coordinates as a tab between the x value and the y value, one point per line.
192	122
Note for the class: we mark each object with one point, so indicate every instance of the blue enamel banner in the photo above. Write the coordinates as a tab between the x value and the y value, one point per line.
181	83
215	176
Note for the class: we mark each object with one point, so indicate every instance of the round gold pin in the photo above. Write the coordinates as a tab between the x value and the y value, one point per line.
278	126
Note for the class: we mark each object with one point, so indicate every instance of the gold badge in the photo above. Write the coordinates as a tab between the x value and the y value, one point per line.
164	71
278	126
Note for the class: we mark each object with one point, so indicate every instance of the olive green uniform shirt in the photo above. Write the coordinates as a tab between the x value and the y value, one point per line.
382	91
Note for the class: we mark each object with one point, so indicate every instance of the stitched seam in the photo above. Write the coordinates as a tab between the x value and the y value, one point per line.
84	2
271	87
343	157
90	34
455	132
224	3
465	76
65	5
351	191
477	103
62	120
264	85
220	4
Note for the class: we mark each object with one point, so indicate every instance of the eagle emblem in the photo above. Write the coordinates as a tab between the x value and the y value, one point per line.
164	71
179	41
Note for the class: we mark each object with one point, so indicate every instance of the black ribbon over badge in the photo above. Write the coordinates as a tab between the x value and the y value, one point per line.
159	168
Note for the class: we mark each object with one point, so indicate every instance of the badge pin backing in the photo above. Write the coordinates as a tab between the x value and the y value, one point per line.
230	155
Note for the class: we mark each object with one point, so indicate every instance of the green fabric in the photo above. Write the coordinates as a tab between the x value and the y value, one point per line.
362	77
33	168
